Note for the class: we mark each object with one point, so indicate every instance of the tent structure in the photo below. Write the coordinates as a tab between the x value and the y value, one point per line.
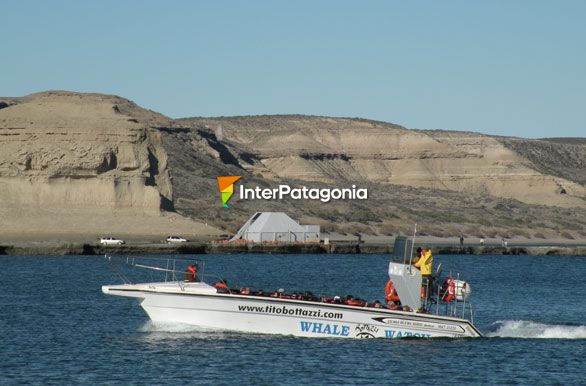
276	226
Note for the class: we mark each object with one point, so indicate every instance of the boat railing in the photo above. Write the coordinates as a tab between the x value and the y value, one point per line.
169	267
403	253
456	308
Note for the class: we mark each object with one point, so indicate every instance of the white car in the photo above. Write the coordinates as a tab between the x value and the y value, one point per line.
111	241
176	239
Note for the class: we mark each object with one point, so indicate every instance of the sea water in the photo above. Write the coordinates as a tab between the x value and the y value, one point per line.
56	327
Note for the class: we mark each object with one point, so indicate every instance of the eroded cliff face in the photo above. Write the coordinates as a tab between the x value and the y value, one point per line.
67	150
99	155
338	150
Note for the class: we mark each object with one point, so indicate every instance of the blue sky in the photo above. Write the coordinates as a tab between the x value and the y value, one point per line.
499	67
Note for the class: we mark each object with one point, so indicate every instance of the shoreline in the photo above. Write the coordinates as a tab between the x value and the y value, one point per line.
68	248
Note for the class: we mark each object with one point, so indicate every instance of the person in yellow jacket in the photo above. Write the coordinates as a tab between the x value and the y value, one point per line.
425	265
425	262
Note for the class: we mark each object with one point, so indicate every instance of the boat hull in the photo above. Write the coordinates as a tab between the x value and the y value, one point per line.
291	317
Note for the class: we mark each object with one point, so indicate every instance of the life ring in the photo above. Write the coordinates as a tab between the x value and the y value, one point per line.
391	293
448	290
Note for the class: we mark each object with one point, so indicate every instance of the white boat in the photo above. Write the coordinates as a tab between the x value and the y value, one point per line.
201	304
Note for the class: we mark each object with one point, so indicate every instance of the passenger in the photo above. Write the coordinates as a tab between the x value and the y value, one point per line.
191	273
222	287
425	265
391	295
352	301
278	293
337	300
308	295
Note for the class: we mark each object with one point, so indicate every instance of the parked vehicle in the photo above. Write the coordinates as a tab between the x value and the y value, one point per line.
176	239
111	241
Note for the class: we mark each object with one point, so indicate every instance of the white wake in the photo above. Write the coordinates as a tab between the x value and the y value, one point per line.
157	331
534	330
172	328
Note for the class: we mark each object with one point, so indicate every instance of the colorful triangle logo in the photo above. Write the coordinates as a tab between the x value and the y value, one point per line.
226	187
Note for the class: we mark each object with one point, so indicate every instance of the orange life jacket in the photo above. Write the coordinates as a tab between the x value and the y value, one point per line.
449	290
390	292
192	270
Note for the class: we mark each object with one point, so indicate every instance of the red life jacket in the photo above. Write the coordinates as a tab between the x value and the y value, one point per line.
390	292
449	290
192	269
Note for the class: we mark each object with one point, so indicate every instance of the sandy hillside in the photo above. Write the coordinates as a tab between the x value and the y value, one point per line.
336	149
85	164
77	166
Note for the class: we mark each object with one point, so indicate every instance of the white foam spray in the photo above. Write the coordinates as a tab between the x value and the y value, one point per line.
156	331
173	328
534	330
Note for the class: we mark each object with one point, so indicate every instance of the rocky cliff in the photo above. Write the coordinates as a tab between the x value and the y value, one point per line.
72	161
333	150
448	181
